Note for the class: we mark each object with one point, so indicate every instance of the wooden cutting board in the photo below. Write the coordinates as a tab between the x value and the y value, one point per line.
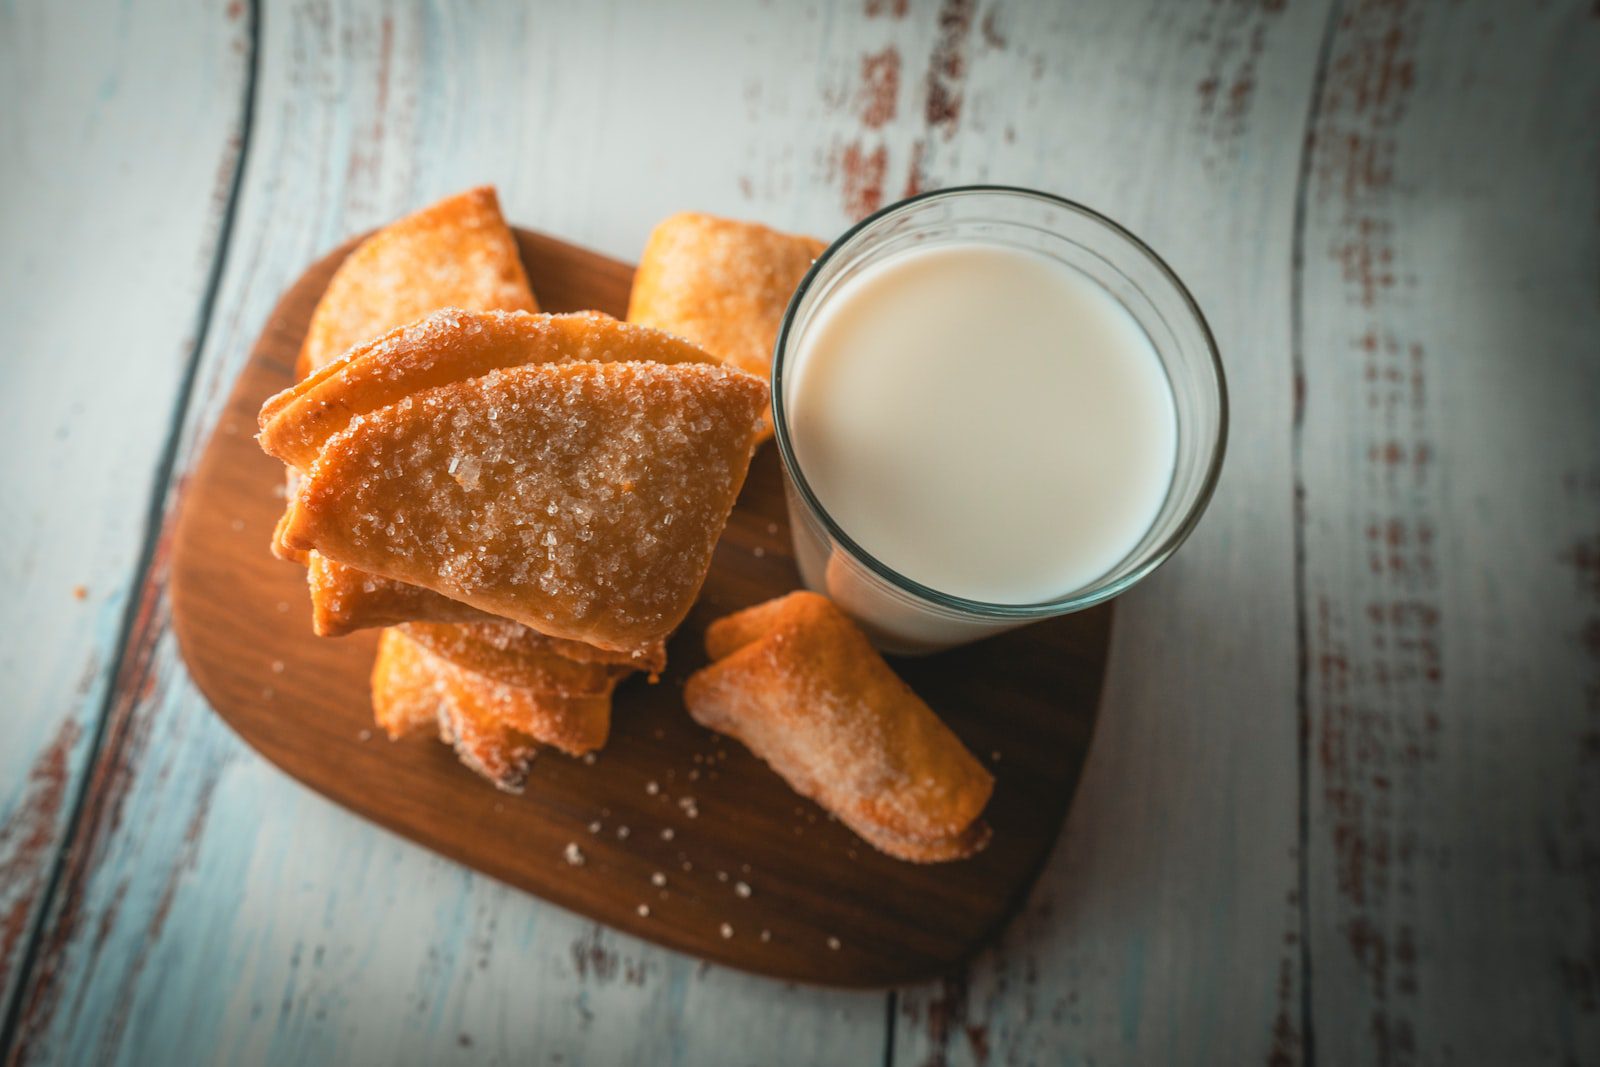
821	906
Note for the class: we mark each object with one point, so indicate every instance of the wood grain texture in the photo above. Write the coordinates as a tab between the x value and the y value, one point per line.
1166	928
826	908
211	910
114	180
196	860
1448	448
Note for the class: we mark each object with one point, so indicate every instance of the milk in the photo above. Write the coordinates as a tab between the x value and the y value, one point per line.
986	421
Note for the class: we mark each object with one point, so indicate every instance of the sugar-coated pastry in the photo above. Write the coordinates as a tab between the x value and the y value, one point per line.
449	345
511	654
581	499
802	688
495	726
345	599
722	284
446	346
405	696
457	253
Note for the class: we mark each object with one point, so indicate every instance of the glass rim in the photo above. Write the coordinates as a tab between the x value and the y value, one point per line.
1095	593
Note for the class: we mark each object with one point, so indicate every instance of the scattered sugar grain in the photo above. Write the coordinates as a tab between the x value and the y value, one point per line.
726	930
766	935
742	889
594	827
364	735
833	943
652	788
277	666
658	879
622	833
668	834
589	758
644	911
573	854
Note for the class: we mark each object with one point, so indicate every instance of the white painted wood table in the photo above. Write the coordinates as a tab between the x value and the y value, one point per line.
1344	801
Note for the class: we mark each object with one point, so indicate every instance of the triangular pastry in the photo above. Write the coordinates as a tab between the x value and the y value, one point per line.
722	284
581	499
494	726
449	345
458	252
803	689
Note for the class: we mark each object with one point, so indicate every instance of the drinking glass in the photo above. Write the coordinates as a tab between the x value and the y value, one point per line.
900	614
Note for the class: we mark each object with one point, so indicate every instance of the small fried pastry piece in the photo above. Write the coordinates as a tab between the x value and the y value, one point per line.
405	694
580	499
345	599
484	743
803	689
410	691
511	654
447	346
493	726
458	252
722	284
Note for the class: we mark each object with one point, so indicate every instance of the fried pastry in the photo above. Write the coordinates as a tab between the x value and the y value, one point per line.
405	694
494	725
722	284
409	692
447	346
457	253
509	653
580	499
802	688
345	599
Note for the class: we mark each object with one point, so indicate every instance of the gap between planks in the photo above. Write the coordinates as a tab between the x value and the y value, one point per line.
155	523
1297	358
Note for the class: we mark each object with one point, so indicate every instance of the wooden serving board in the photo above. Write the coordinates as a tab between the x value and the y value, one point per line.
822	907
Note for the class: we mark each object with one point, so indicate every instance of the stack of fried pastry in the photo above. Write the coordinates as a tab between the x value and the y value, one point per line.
528	503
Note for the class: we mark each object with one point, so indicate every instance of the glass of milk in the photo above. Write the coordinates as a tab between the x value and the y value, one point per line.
993	406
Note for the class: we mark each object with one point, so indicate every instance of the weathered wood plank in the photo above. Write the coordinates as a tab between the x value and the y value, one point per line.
116	173
1166	927
1449	452
333	941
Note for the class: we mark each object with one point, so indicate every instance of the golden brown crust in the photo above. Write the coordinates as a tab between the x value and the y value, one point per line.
494	727
581	499
511	654
404	696
458	252
444	347
801	686
449	345
346	599
722	284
